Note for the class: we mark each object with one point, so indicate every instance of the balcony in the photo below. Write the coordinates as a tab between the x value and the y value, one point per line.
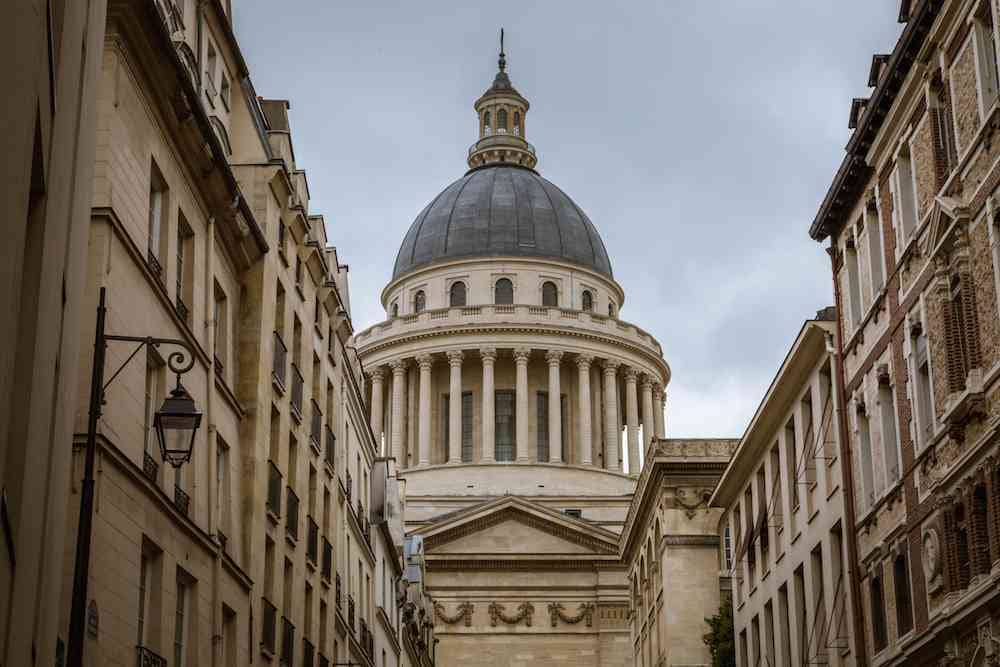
146	658
316	427
273	489
511	317
220	368
287	643
182	501
279	362
296	393
327	569
501	138
267	633
347	489
350	613
336	593
292	520
331	447
312	541
150	467
308	653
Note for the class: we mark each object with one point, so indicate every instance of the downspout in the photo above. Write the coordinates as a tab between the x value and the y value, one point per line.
846	468
213	442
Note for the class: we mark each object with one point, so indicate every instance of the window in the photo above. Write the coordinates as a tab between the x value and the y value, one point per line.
792	462
986	59
504	425
210	65
222	484
575	513
155	393
920	366
158	199
180	619
961	331
890	441
487	126
394	309
419	301
517	123
224	91
185	268
867	496
502	121
542	420
880	637
144	567
550	294
802	614
904	201
456	295
853	279
503	292
588	301
611	309
727	548
901	584
298	272
282	236
876	258
784	626
220	314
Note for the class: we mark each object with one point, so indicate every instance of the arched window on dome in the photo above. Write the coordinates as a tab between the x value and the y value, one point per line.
419	301
502	121
503	292
517	123
588	301
456	295
550	294
487	126
611	308
394	309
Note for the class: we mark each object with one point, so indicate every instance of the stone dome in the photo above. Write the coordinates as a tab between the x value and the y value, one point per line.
502	211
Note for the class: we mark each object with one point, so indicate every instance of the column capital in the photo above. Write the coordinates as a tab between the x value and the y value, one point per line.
584	361
554	357
377	374
657	390
647	383
631	374
399	366
454	358
522	354
488	354
425	361
610	366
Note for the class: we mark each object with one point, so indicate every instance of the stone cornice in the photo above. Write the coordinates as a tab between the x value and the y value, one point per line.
535	565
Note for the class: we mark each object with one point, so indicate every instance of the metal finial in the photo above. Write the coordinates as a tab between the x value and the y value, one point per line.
503	56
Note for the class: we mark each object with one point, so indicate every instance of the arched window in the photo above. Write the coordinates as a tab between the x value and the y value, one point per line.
456	296
611	309
517	123
550	294
395	309
588	301
502	121
419	302
487	129
503	292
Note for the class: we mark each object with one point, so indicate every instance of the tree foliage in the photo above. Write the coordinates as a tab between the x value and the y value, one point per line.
720	638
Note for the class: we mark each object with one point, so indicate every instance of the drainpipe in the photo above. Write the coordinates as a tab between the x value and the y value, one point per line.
846	468
213	477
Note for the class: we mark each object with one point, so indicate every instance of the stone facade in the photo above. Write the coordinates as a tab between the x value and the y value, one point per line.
918	354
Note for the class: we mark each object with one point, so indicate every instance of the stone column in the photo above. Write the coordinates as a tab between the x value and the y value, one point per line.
521	356
612	436
648	428
632	420
554	357
489	357
658	426
378	388
583	362
412	410
398	408
455	407
425	361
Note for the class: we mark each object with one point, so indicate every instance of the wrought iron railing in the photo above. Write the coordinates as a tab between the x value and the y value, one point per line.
292	520
270	626
316	426
312	540
280	360
150	467
182	501
366	639
147	658
347	489
331	446
337	598
350	613
273	488
287	642
327	570
296	392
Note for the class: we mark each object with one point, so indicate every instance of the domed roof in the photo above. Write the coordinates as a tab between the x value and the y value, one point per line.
502	211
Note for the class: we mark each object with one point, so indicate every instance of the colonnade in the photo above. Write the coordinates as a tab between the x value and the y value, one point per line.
642	401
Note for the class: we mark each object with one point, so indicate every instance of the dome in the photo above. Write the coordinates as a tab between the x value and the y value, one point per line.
502	211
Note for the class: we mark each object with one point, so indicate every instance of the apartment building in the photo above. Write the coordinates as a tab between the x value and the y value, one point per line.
783	521
911	224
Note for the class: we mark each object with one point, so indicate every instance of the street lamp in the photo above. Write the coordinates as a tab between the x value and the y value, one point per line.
176	424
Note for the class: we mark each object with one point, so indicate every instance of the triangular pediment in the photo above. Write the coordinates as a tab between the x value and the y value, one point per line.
512	526
945	210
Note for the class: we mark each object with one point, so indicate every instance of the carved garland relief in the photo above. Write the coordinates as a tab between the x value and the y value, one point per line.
585	612
524	613
464	612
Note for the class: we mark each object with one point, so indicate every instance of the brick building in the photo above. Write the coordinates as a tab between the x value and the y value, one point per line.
911	223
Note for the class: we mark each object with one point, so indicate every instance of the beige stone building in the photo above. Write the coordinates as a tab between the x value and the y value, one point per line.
783	523
911	222
517	402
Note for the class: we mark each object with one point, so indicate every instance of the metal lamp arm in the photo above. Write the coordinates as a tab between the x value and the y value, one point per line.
179	362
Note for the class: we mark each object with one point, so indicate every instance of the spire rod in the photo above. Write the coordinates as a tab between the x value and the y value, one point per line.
503	56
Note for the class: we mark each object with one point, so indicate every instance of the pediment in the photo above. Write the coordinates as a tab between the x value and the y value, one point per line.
944	211
515	527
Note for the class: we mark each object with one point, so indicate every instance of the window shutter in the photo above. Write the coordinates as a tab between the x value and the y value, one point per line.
950	549
951	314
970	322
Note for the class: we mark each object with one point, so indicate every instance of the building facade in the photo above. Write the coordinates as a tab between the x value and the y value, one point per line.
783	522
911	222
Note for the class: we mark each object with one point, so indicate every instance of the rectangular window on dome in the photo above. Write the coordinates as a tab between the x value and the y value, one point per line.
504	424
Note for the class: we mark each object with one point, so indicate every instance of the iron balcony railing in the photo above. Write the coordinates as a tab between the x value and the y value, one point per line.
347	489
366	639
147	658
337	598
308	653
312	540
327	569
296	393
182	501
331	446
316	426
287	642
350	613
273	489
363	522
280	361
292	520
150	467
267	633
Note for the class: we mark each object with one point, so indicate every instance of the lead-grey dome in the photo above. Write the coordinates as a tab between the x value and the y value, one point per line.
502	211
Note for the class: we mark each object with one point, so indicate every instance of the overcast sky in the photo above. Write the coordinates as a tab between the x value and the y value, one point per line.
699	136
